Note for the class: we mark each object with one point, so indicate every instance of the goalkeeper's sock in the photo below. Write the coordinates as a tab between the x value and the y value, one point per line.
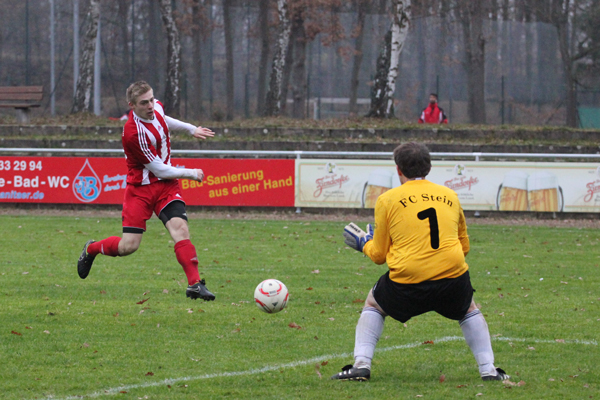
477	336
368	331
107	247
187	257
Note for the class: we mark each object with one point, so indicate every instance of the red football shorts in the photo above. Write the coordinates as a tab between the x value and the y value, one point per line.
141	201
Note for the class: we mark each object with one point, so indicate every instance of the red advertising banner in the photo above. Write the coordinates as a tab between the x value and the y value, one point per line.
101	180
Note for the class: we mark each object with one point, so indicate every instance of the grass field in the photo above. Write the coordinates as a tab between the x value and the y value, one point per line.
128	331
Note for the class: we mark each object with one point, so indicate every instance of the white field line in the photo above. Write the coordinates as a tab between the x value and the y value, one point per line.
314	360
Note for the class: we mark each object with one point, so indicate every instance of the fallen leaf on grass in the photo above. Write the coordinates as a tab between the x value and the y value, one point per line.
530	348
165	291
356	301
479	394
316	271
143	301
47	332
560	340
324	363
461	386
28	327
86	345
16	333
521	383
150	374
442	378
123	391
294	325
309	288
236	330
428	342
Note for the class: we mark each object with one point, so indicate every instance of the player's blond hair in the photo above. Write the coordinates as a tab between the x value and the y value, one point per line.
137	89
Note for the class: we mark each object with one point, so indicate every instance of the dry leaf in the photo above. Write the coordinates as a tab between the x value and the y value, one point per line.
150	374
316	271
560	340
86	345
294	325
479	394
500	295
236	330
324	363
521	383
309	288
16	333
143	301
165	291
442	378
331	319
47	332
530	348
509	383
356	301
428	342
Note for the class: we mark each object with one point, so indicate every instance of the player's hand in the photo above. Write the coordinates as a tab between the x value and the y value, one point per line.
357	238
203	133
200	174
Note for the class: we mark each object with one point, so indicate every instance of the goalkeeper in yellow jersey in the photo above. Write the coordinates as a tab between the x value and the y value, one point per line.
420	231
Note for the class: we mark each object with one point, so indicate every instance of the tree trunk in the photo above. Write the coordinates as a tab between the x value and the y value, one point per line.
382	95
472	23
123	11
83	93
399	33
229	78
197	10
560	19
378	100
287	72
299	67
273	100
358	54
263	25
172	87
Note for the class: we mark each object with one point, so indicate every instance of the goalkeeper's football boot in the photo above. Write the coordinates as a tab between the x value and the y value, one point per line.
85	261
500	376
199	291
349	373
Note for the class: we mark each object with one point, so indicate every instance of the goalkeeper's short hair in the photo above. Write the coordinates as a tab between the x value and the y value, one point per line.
413	159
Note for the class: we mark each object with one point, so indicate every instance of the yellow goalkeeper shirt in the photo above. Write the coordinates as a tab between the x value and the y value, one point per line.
420	230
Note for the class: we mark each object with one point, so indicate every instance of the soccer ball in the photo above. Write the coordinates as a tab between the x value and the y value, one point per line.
271	296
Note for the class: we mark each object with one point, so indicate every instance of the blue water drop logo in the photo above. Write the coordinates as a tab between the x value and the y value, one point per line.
86	185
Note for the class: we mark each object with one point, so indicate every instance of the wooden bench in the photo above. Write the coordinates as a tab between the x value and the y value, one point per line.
21	98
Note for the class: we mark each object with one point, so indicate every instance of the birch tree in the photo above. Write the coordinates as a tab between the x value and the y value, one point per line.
172	87
83	93
273	101
382	94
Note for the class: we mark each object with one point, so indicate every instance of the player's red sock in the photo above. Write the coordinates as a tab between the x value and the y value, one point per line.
187	257
108	247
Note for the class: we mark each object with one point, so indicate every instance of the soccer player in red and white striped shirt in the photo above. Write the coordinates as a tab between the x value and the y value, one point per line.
152	186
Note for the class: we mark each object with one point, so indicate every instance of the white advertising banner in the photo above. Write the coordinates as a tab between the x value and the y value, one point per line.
480	185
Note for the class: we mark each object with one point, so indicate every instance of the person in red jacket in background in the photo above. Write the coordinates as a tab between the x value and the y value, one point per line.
432	114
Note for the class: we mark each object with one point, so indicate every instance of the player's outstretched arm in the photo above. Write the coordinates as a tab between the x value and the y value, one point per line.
357	238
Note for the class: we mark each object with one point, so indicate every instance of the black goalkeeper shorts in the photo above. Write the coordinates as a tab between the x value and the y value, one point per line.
450	298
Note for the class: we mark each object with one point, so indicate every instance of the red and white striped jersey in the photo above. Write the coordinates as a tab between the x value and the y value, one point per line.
145	141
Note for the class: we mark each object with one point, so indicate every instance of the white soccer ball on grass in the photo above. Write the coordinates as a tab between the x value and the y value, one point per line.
271	296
